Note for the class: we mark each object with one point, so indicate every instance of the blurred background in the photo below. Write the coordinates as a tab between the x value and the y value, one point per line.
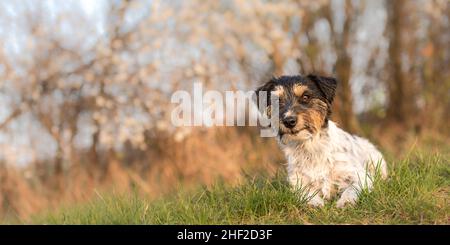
85	87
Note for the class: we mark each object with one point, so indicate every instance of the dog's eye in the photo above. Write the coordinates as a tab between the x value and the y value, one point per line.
306	98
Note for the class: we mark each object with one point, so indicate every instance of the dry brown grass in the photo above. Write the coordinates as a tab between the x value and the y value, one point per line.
202	158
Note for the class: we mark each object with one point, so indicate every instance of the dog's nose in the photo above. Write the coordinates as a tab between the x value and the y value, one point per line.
290	122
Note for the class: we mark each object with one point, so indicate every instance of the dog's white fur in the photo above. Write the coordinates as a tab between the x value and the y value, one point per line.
332	162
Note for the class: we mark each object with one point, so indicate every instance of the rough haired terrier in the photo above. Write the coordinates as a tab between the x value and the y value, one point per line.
322	159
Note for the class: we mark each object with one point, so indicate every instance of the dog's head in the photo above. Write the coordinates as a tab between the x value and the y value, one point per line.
305	104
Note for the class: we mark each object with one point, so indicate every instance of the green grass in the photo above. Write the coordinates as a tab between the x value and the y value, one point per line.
417	192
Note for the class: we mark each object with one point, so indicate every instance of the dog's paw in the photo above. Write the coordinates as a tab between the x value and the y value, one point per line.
316	202
341	203
348	197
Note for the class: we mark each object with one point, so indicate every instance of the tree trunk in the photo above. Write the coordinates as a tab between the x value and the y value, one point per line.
401	101
343	105
344	98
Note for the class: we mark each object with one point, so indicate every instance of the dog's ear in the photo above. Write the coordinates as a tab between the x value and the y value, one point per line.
267	88
327	86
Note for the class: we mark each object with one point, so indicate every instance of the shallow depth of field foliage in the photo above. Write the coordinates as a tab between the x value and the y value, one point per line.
85	107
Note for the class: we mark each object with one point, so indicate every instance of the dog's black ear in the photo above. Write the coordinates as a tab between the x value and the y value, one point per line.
327	86
267	88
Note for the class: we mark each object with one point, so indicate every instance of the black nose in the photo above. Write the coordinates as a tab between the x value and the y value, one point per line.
290	122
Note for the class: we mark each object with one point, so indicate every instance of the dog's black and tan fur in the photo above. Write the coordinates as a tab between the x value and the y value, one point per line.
305	102
321	157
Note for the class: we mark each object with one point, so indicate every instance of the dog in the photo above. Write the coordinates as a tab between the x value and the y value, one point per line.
323	160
